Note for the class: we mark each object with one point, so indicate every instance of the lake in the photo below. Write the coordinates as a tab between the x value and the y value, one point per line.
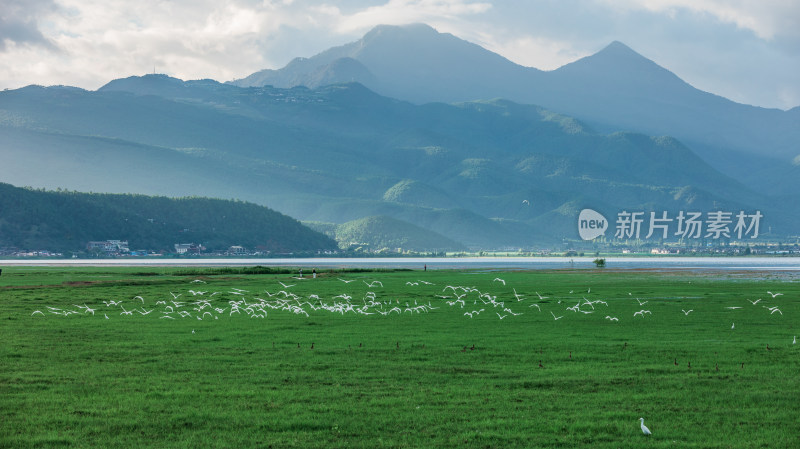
487	263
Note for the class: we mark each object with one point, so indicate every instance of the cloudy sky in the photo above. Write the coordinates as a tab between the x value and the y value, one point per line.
745	50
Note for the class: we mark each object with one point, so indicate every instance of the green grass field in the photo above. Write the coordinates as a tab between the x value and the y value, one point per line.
109	360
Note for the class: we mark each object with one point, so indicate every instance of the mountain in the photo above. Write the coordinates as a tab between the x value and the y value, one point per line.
414	63
381	232
615	89
484	174
67	221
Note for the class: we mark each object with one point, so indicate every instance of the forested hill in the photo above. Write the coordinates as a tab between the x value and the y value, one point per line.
67	221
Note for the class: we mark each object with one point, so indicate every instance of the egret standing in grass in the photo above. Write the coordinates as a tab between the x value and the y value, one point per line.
645	430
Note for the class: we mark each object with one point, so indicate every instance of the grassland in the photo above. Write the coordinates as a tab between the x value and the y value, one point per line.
239	370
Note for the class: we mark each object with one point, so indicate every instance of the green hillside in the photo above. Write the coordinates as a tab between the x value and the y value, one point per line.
66	221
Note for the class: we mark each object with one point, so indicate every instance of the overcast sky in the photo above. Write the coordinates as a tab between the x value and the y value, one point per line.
745	50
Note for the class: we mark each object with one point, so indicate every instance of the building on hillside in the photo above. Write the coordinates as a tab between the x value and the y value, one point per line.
109	246
237	251
189	248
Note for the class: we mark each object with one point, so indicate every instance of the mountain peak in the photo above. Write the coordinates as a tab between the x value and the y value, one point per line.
399	30
619	55
618	47
621	65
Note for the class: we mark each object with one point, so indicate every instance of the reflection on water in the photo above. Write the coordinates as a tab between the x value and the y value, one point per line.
499	263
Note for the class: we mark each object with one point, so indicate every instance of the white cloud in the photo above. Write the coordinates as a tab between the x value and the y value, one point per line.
19	23
87	43
766	18
399	12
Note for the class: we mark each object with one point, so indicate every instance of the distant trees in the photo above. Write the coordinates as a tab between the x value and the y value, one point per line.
66	221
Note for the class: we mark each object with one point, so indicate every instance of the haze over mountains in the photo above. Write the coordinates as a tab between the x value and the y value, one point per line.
415	126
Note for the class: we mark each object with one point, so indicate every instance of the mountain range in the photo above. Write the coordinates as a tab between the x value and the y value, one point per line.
612	90
411	127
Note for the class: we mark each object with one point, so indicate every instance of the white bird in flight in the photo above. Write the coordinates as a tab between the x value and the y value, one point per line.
773	310
556	317
686	312
645	430
499	280
775	294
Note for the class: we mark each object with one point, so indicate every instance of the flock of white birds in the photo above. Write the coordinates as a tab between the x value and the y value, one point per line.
200	303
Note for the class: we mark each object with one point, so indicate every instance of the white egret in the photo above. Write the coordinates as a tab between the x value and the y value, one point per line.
773	309
645	430
686	312
775	294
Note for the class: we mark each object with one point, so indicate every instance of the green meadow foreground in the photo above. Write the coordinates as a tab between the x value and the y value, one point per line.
156	357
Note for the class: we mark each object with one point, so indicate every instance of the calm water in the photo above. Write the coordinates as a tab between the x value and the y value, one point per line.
499	263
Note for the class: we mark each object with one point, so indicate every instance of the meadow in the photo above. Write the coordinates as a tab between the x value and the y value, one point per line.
178	358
